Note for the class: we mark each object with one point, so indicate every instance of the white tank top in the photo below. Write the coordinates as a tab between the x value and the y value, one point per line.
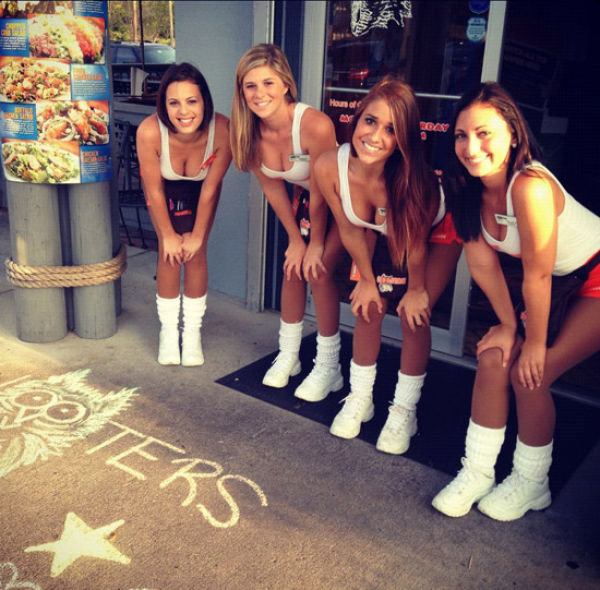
166	170
299	173
343	158
578	230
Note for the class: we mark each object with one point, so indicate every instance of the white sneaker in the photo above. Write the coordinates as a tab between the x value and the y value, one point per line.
168	346
463	491
319	382
357	409
284	366
514	497
395	435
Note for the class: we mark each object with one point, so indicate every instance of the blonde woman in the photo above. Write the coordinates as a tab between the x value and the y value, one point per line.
184	153
278	139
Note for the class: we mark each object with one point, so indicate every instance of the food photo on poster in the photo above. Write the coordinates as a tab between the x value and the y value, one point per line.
76	120
23	79
54	92
33	161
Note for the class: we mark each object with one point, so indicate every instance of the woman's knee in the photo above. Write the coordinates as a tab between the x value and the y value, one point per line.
322	282
491	360
419	333
375	317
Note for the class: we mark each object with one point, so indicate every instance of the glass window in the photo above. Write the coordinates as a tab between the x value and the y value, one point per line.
126	55
435	46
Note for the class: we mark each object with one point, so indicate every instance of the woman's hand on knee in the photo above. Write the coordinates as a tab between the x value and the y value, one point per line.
312	265
415	305
531	364
172	250
363	295
294	255
502	337
190	246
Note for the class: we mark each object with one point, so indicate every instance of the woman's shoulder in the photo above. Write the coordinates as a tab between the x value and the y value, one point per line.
534	183
316	124
148	129
148	132
327	161
221	125
221	120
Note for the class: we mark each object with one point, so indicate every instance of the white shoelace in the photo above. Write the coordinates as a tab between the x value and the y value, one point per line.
321	374
464	478
354	405
398	418
515	486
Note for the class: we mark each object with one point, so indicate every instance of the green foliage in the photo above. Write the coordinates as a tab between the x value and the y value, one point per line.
156	20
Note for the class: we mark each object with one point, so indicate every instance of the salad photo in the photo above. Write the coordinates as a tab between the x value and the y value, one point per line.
28	80
39	162
80	121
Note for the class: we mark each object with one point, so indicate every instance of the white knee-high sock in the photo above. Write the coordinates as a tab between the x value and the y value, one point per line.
533	462
168	340
194	309
290	337
362	379
328	351
482	446
408	390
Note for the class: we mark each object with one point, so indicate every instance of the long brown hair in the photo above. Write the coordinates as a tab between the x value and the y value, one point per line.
244	131
411	185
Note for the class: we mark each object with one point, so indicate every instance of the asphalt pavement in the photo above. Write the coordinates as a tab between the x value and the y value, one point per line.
119	473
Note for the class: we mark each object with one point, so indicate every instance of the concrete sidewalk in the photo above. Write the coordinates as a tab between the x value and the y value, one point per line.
123	474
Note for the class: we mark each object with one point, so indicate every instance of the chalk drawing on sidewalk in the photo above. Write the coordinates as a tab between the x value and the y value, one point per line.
9	578
367	15
215	470
80	540
40	417
218	469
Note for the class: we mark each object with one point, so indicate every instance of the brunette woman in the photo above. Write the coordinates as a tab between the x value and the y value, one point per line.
505	200
184	153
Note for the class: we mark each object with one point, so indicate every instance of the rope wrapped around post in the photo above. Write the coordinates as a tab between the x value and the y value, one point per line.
87	275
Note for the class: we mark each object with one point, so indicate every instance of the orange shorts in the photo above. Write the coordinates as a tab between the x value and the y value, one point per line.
591	288
444	232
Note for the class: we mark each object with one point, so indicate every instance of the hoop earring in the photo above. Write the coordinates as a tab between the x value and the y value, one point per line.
513	145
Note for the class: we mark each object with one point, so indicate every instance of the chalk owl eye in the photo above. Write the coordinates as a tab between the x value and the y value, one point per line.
38	418
47	404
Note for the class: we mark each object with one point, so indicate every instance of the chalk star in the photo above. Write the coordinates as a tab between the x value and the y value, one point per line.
79	540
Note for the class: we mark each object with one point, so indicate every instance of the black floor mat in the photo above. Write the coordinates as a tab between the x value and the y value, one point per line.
443	411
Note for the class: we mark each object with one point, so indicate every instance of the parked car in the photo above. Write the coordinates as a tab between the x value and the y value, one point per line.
355	64
125	55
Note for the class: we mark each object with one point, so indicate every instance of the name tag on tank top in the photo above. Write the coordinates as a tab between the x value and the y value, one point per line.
299	157
508	220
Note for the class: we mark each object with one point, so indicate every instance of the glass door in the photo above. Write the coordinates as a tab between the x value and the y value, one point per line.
440	48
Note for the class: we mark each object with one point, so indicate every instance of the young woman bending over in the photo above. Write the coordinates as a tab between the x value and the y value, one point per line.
386	200
504	199
184	153
278	139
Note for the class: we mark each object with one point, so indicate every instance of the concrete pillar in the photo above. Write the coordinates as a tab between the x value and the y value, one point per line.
91	242
35	241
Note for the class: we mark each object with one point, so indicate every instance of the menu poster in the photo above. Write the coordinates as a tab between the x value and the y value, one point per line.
54	92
